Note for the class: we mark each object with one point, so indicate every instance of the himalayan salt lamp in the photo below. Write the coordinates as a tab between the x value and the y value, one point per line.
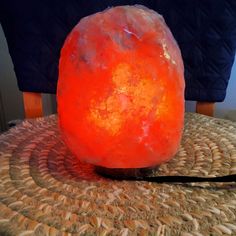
121	89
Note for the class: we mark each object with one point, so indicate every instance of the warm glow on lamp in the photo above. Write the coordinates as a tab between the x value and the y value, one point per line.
121	89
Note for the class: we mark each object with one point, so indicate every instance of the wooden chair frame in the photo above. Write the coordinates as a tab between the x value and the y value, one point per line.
34	107
205	108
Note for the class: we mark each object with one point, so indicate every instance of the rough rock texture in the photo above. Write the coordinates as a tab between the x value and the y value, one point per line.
121	89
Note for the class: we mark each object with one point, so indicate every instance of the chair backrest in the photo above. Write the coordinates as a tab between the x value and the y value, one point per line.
35	41
33	106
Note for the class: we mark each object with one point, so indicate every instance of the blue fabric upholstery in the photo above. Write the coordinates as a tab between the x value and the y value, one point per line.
205	31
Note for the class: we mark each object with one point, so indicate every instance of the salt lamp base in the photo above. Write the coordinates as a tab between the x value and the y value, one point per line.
125	173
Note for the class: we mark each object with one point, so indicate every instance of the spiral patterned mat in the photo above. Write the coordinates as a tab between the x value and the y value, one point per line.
45	190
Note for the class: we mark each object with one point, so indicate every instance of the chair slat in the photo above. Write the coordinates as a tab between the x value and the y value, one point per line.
205	108
33	105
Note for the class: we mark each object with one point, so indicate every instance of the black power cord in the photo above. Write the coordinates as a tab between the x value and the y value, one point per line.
146	174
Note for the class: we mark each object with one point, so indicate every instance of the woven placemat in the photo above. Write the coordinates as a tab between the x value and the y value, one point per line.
45	190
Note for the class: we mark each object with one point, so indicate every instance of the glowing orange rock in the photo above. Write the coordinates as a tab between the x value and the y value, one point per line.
121	89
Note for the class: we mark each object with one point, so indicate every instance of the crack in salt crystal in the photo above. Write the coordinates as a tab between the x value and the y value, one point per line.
149	147
132	33
166	54
145	128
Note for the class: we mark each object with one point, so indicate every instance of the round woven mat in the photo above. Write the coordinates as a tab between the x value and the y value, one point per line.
44	190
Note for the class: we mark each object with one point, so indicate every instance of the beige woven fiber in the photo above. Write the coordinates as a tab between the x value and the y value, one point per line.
45	190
